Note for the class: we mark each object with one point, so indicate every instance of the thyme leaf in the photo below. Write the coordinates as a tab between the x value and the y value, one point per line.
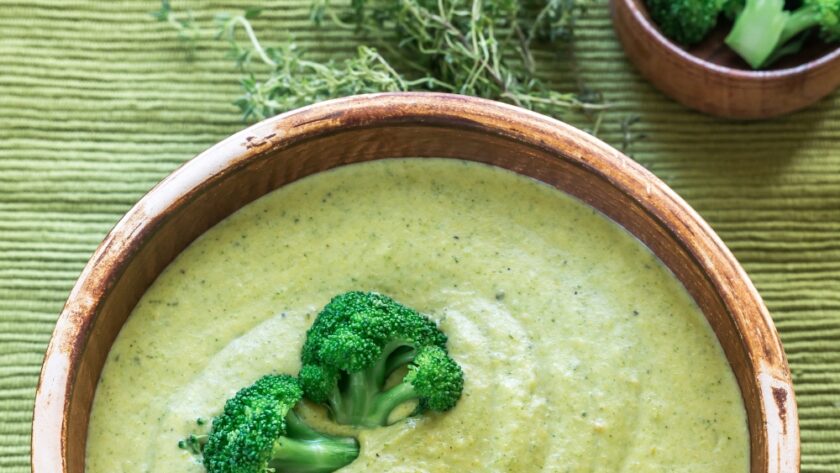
481	48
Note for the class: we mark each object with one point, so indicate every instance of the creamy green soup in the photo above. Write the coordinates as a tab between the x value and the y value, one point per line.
581	352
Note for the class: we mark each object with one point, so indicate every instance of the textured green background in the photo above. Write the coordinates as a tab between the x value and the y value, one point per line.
98	103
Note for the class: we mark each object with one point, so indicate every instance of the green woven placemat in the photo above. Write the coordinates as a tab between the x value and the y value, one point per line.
98	103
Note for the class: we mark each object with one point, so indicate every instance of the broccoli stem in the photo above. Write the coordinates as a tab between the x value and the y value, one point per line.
758	30
304	450
763	31
799	21
359	403
366	406
386	402
311	456
395	354
398	359
298	429
361	391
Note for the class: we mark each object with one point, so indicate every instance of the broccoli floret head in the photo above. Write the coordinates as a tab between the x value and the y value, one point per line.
358	341
825	14
355	327
685	21
764	30
258	432
435	378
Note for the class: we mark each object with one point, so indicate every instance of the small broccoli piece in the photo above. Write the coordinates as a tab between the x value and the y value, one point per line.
757	30
822	14
433	379
193	443
358	341
765	31
259	431
685	21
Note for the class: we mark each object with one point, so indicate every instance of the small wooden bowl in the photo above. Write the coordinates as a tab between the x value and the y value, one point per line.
296	144
711	78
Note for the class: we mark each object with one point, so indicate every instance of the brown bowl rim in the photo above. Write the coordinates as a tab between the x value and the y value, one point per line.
652	30
777	407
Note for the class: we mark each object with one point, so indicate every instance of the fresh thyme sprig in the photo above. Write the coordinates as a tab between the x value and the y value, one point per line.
628	136
465	43
187	28
461	46
295	81
555	19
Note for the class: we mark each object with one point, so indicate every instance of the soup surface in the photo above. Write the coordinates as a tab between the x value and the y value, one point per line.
581	351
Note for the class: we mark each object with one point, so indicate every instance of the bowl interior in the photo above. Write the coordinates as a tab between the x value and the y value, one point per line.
289	147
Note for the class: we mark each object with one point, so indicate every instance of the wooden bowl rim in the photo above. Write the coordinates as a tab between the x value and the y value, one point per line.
739	296
652	30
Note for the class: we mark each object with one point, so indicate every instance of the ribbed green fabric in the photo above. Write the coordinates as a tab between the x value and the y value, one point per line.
98	102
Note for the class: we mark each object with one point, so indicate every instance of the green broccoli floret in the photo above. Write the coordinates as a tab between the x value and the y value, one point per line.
259	431
685	21
764	31
357	342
